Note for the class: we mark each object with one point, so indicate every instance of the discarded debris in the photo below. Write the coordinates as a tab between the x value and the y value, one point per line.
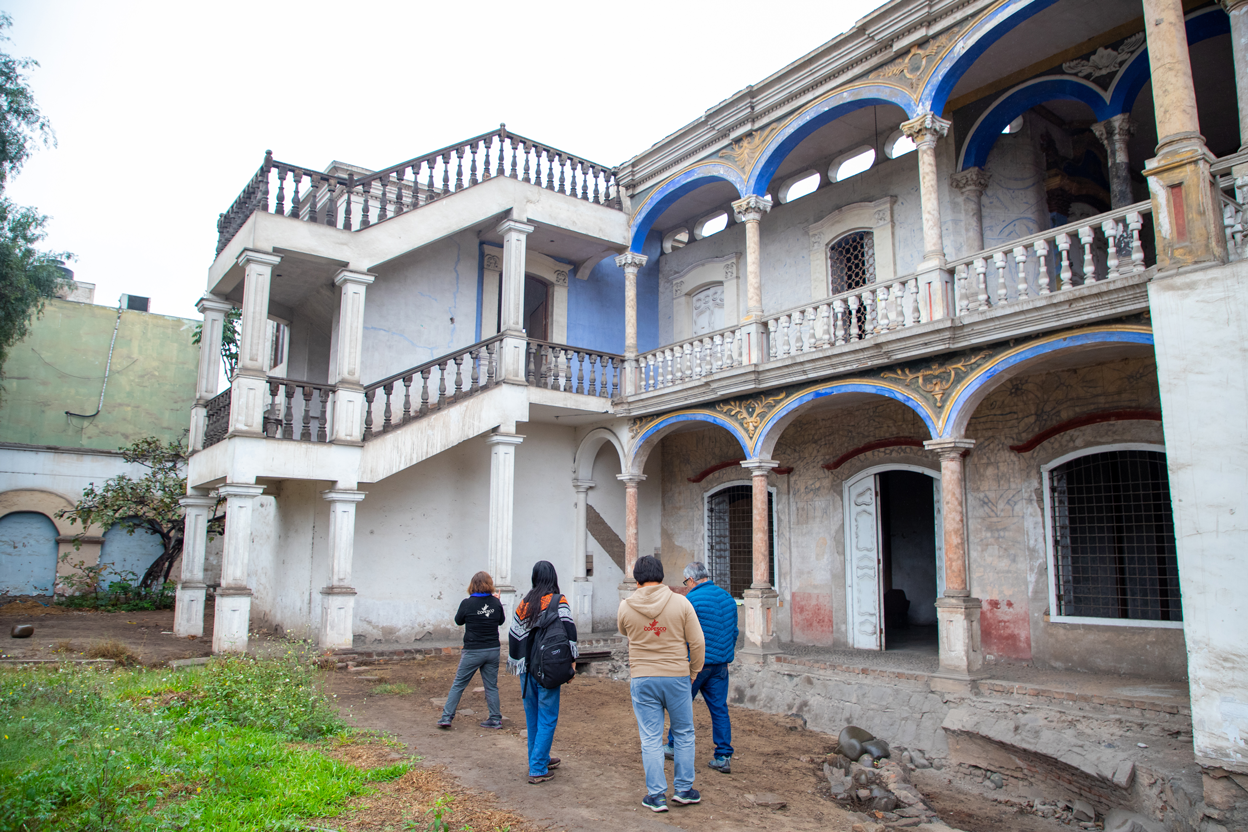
22	631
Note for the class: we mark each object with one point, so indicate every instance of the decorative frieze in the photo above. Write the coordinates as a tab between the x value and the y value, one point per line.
1106	61
911	70
749	413
937	379
745	150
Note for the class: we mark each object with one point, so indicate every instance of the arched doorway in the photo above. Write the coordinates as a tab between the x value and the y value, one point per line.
27	554
894	569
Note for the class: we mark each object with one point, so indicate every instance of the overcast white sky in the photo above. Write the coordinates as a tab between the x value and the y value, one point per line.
163	110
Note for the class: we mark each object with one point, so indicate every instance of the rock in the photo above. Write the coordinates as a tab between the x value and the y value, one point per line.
851	739
863	794
478	690
919	760
909	812
1120	820
766	800
1083	810
906	758
524	733
997	781
906	795
905	822
465	712
22	631
436	702
882	800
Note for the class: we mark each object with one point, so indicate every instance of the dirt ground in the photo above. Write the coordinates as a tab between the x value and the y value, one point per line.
600	780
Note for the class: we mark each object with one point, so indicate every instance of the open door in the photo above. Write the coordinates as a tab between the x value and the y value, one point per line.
862	567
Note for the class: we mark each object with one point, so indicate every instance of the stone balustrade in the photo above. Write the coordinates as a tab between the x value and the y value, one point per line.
571	370
298	410
843	319
690	359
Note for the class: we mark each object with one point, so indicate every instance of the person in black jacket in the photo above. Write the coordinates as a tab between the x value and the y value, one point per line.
480	614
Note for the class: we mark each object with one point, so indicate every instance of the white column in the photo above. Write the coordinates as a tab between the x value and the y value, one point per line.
188	612
582	586
214	310
750	211
631	262
1237	10
511	362
972	182
250	394
935	282
349	393
761	601
338	598
502	507
233	607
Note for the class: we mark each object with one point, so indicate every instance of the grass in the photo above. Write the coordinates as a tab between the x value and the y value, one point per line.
114	650
240	744
392	689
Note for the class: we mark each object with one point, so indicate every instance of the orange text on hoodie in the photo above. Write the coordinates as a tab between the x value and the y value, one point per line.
664	636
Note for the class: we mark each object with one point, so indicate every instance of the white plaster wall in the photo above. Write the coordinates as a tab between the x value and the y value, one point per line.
1201	333
290	558
607	498
65	473
1014	204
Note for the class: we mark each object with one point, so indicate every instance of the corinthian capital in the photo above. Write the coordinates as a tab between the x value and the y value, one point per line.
751	207
1115	130
925	127
971	179
631	259
1233	5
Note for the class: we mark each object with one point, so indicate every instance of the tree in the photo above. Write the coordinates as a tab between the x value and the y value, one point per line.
149	503
28	277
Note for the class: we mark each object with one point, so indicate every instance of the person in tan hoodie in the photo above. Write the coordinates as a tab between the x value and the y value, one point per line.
666	650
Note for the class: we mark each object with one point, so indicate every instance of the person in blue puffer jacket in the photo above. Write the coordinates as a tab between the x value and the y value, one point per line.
717	613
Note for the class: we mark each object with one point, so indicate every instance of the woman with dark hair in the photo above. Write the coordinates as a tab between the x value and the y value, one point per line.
541	705
480	614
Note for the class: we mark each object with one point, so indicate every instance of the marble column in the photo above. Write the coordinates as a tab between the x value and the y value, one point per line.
1187	212
957	613
1114	133
515	240
1237	10
631	482
972	183
935	282
582	586
631	262
250	394
233	605
188	611
753	330
214	310
502	508
338	598
347	373
761	600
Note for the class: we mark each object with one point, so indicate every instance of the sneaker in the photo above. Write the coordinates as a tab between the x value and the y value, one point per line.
553	764
655	802
686	797
534	779
444	722
721	764
492	722
669	752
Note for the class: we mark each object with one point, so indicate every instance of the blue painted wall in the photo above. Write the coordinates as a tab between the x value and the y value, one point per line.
596	305
27	554
128	553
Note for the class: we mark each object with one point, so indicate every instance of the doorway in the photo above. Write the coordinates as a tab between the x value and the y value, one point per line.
894	569
536	308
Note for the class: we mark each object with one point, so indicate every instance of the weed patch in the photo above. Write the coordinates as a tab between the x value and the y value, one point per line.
392	689
114	650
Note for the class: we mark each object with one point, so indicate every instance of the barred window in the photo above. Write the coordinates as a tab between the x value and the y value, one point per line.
1113	537
730	538
852	261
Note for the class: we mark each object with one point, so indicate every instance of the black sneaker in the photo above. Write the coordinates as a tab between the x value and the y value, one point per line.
687	797
721	764
444	722
492	723
655	802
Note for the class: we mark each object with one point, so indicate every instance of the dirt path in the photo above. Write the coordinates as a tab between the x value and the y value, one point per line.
600	780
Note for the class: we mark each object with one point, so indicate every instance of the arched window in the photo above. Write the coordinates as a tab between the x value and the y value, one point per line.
1111	534
799	186
673	240
851	262
898	144
851	164
711	225
730	537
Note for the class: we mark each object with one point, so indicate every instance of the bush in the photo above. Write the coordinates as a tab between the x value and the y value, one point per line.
279	695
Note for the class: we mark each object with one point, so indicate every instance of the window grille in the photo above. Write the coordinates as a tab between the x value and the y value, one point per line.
852	262
730	538
1113	535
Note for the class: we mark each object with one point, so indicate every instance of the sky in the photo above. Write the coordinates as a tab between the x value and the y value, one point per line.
163	110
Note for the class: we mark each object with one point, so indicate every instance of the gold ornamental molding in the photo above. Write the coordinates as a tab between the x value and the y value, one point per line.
638	426
745	150
750	413
911	70
937	379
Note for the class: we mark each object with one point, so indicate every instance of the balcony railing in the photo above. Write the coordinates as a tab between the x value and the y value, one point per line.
217	416
354	202
298	410
572	370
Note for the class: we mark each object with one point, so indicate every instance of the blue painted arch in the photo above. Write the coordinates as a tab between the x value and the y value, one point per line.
654	433
822	112
685	182
761	442
976	387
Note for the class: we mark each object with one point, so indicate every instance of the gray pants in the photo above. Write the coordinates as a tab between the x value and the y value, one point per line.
470	661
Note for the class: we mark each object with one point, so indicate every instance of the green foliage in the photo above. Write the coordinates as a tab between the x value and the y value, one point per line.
229	340
28	277
88	749
150	502
392	689
118	596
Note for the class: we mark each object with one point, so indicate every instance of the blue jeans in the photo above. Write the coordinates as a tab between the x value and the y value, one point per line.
470	661
651	696
541	717
713	682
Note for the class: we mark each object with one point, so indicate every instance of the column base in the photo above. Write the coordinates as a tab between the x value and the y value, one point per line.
753	341
188	610
337	618
961	658
1187	213
935	290
761	606
626	589
583	604
232	620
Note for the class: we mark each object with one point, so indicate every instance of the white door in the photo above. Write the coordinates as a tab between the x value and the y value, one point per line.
862	568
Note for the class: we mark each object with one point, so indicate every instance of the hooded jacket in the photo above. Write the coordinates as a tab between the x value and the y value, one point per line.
664	636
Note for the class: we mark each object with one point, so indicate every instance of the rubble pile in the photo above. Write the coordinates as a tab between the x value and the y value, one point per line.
880	788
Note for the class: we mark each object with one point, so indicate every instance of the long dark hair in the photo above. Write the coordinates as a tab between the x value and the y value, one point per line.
545	582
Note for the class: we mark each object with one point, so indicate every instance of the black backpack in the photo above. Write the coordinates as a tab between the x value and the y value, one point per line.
550	653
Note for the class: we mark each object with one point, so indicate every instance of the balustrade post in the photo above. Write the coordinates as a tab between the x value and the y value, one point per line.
515	235
188	612
582	586
936	291
502	507
631	262
214	310
761	599
338	597
249	395
233	603
345	371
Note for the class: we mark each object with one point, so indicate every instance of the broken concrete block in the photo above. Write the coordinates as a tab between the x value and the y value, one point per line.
1083	810
1120	820
767	800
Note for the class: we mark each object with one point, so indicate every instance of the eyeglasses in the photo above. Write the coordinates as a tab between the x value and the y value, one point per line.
687	580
